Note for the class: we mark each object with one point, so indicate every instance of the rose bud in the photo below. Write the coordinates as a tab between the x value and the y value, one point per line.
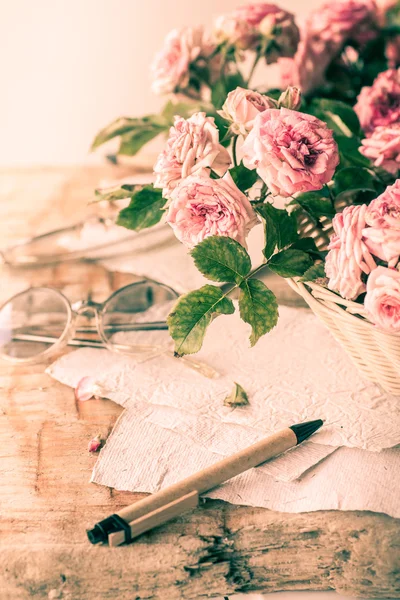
95	444
290	98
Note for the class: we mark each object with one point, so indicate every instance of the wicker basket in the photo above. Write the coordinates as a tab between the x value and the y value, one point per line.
375	352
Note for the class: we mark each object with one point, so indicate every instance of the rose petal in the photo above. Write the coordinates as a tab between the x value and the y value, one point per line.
85	389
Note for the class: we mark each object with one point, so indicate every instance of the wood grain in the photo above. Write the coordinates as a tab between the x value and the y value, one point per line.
47	502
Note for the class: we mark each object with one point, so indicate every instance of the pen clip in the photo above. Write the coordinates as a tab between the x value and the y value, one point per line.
155	518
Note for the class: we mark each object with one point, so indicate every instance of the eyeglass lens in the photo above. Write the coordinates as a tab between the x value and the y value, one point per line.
143	303
32	322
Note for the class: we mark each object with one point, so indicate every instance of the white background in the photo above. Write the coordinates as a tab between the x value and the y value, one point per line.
68	67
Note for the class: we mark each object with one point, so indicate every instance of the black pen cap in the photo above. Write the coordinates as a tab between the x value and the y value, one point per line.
303	431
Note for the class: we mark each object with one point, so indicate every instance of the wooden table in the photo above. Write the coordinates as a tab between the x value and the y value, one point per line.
46	502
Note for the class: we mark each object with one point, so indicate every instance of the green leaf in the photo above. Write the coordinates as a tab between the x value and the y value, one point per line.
349	153
354	197
353	178
316	204
290	263
145	209
125	125
218	94
315	273
307	244
222	125
258	307
237	397
234	80
193	313
118	192
222	259
338	115
243	177
280	228
223	86
131	143
183	109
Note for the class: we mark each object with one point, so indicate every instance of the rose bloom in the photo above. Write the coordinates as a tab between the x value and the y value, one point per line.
379	104
241	108
229	29
382	300
384	211
382	147
382	237
193	144
383	243
348	256
292	151
343	20
247	25
201	207
170	68
323	37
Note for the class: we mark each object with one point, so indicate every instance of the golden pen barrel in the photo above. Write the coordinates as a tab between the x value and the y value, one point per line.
209	478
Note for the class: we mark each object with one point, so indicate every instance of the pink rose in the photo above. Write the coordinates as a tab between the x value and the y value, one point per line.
382	237
343	20
292	151
241	108
348	258
384	211
201	207
279	27
249	25
235	32
193	144
382	300
325	33
171	66
382	147
379	104
383	243
254	14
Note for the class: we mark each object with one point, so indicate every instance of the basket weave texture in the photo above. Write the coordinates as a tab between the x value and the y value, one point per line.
376	353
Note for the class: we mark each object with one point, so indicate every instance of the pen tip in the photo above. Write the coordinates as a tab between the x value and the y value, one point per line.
303	431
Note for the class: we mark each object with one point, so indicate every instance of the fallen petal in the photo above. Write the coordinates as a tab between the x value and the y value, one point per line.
85	389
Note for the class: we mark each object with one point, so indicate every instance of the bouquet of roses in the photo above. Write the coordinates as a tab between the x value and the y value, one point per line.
231	150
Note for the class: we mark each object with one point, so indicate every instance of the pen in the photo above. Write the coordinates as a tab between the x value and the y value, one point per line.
175	499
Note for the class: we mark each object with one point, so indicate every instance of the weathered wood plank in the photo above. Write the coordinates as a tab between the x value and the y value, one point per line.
47	502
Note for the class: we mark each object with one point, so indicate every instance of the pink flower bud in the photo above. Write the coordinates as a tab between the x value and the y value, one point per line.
290	98
241	108
95	444
85	389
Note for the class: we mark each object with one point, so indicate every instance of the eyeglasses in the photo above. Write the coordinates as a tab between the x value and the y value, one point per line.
94	239
39	322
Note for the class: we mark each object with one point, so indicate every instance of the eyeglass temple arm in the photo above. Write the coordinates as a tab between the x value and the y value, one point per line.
150	326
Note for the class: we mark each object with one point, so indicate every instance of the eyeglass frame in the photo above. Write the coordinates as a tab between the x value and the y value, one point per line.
74	310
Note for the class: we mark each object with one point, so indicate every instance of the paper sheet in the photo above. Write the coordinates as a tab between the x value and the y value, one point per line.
295	373
145	457
175	422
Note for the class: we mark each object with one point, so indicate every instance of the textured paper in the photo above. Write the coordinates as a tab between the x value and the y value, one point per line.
175	422
145	457
295	373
